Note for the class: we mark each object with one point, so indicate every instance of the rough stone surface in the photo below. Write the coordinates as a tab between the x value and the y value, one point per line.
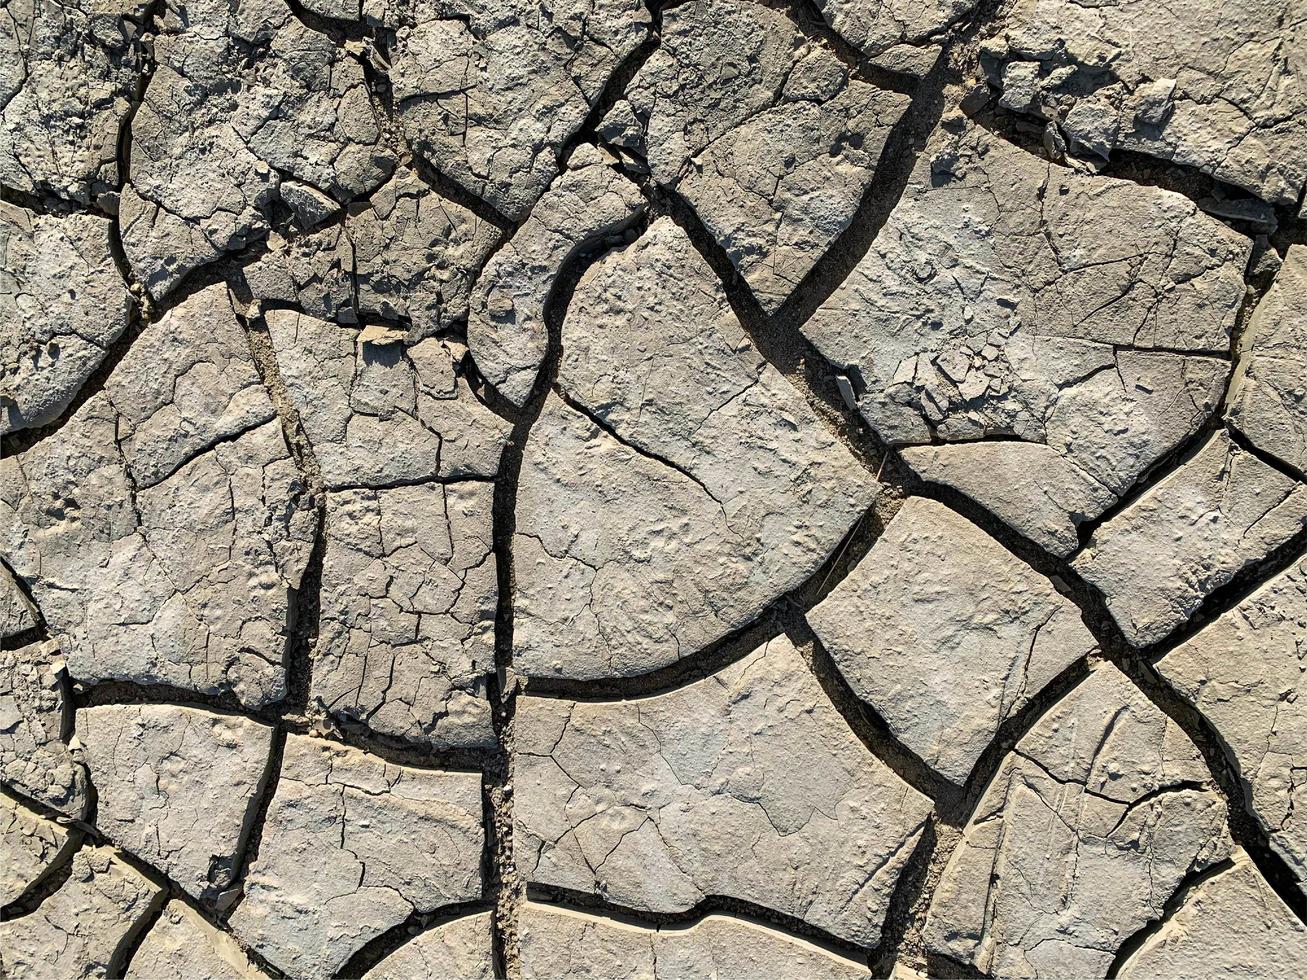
1007	297
561	942
76	932
34	759
68	73
244	95
1212	86
182	946
767	135
490	93
1245	673
506	329
408	601
406	256
30	848
459	948
1086	831
946	634
379	410
352	846
62	304
176	787
746	784
163	528
1220	512
670	446
1232	925
1268	397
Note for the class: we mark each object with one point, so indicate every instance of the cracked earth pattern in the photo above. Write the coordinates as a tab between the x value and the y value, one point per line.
639	489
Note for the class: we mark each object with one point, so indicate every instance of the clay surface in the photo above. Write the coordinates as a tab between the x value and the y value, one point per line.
653	489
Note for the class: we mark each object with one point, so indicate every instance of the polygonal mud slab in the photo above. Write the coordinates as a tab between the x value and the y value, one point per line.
30	848
1213	86
350	847
1091	823
459	948
379	410
406	255
946	634
770	137
670	447
1268	397
1084	321
68	73
1220	512
34	759
506	329
490	93
177	787
746	784
1245	673
62	304
79	930
562	942
1231	925
183	946
879	26
408	599
244	96
163	529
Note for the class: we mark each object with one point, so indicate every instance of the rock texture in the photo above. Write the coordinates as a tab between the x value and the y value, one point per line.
181	945
880	26
458	948
946	635
560	942
1086	831
670	445
1245	673
1209	86
768	136
163	529
406	256
176	787
1028	486
352	846
1157	560
244	97
17	614
1232	925
76	932
745	784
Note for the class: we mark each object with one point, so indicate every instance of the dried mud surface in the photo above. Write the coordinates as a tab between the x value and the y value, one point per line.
613	488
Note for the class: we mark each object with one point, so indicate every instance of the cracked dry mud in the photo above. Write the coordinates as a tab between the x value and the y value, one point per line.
653	489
